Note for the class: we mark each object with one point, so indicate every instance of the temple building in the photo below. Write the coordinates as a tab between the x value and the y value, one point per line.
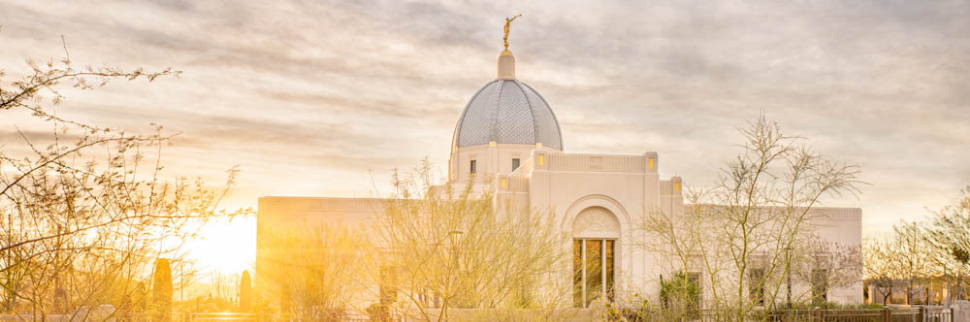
508	135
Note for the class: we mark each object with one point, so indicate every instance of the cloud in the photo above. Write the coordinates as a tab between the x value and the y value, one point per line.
320	97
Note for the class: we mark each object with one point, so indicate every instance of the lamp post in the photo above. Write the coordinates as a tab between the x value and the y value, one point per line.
788	276
455	238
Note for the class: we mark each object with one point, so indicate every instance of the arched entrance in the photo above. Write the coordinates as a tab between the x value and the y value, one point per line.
596	232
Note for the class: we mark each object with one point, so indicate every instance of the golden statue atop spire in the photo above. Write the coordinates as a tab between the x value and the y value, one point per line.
508	25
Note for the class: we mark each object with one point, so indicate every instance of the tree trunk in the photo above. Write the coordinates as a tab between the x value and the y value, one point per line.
926	295
909	292
959	286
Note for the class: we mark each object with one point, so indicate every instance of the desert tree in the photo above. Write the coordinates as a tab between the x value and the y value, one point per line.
466	248
918	252
822	265
882	267
224	286
85	210
681	237
744	231
330	278
910	244
70	215
948	234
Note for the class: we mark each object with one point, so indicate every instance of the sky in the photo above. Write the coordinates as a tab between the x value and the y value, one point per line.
324	98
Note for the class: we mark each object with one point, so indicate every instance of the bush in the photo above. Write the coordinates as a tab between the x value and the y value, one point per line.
680	295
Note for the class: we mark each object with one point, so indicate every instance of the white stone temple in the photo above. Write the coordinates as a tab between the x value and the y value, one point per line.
508	135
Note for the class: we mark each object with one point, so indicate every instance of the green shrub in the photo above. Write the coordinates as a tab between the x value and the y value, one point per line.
680	295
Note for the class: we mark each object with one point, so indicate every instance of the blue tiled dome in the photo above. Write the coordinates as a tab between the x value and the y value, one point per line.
508	111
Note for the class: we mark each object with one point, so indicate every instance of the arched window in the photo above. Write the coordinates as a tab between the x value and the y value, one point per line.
595	235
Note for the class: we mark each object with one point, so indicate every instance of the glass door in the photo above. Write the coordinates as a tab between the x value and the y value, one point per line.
593	270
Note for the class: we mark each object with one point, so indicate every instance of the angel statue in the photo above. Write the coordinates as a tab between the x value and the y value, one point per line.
508	24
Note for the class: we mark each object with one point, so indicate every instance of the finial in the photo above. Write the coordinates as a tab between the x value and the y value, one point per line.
508	25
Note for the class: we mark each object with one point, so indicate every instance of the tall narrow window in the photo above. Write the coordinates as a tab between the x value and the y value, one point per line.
515	164
820	285
473	166
756	285
608	263
593	270
578	273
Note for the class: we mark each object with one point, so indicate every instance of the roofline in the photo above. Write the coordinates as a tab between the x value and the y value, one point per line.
320	198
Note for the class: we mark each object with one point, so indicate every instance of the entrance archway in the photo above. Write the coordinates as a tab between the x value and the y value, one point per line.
596	231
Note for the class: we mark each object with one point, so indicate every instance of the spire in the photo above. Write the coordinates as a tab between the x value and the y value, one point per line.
506	62
506	65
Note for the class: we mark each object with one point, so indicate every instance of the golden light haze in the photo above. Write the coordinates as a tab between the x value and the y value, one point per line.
227	247
325	98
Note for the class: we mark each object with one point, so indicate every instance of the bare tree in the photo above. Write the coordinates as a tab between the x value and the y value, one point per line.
458	249
911	246
745	230
948	234
839	265
84	211
882	266
331	275
919	252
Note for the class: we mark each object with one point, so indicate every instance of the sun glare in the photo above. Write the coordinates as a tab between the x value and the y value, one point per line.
225	246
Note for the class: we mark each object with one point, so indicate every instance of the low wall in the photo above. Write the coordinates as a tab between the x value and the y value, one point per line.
961	311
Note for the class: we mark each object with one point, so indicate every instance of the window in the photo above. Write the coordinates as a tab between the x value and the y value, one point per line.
593	270
820	285
515	164
472	167
756	285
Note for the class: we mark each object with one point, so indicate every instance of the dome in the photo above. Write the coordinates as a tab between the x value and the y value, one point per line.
507	111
